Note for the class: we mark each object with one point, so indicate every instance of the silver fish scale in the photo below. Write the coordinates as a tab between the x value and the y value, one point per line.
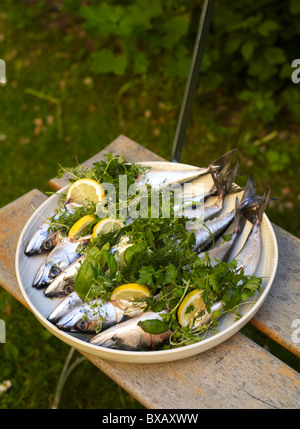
212	228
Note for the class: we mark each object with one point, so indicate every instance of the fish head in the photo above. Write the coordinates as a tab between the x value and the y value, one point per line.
79	320
64	307
49	243
63	255
119	338
36	243
60	287
48	271
87	326
64	283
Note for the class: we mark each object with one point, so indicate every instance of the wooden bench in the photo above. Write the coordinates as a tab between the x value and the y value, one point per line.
236	374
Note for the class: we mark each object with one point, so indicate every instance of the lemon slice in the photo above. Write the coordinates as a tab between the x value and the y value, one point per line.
107	225
130	292
80	225
190	308
85	190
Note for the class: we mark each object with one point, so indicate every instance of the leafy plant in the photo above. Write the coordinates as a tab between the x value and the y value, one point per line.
131	35
250	46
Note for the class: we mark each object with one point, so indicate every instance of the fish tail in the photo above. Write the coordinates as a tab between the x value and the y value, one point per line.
263	205
239	220
237	214
249	192
254	213
232	175
223	160
223	180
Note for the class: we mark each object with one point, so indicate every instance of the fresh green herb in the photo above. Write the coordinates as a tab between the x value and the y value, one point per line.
84	279
154	326
106	171
63	220
92	273
165	261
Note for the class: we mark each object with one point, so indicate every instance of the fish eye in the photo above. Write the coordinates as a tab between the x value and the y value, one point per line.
55	271
47	244
69	289
83	325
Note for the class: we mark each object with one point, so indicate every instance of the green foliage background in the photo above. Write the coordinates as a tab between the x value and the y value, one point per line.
79	73
250	48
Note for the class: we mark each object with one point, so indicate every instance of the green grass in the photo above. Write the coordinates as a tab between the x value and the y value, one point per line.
46	54
32	359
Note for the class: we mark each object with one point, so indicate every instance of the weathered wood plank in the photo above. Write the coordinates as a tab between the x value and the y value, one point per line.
281	307
120	146
236	374
13	217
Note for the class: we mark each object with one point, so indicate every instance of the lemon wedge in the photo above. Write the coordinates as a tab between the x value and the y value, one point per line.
190	308
130	292
80	225
107	225
85	190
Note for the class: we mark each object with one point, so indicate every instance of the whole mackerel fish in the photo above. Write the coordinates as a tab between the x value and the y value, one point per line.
129	335
98	315
159	179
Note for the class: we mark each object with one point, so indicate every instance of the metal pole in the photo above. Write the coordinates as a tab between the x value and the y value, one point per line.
67	369
192	82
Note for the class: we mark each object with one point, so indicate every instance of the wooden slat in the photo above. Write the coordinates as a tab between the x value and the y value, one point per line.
120	146
236	374
281	307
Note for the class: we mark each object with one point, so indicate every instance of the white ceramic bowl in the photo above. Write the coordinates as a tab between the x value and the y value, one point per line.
41	306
